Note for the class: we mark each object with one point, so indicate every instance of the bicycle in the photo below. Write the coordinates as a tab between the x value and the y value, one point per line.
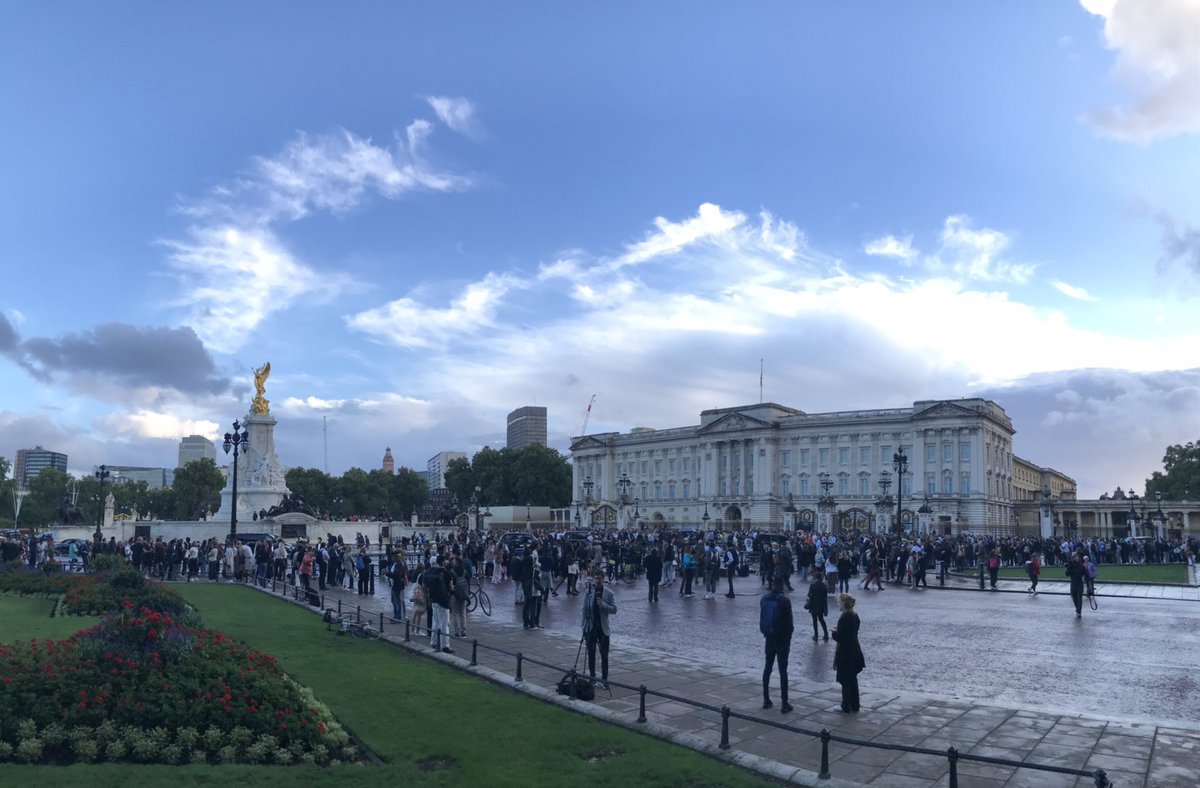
629	572
479	599
1091	596
346	625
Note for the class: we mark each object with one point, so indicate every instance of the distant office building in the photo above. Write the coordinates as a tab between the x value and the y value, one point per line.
389	463
31	462
435	469
196	447
155	478
525	426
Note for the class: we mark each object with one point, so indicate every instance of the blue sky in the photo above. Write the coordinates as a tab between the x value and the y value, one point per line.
425	216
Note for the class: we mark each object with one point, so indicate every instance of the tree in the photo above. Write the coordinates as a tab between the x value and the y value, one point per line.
315	487
4	466
1181	480
460	478
538	474
46	492
409	493
197	489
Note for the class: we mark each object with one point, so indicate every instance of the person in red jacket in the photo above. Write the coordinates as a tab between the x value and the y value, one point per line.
1034	567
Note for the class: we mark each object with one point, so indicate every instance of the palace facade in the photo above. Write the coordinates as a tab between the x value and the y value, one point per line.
771	466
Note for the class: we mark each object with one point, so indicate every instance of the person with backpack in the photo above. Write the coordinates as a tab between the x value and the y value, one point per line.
776	625
848	660
1033	568
397	572
654	570
1077	574
993	567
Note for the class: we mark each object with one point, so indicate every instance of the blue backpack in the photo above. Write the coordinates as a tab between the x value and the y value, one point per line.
767	613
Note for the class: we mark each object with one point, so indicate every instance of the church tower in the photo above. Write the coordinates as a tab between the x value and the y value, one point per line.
389	464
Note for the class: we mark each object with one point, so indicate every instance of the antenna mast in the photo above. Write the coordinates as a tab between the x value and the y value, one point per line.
325	436
587	414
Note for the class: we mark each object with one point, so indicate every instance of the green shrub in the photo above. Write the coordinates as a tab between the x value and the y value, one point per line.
198	757
115	751
187	737
6	751
29	750
227	754
85	750
214	738
172	754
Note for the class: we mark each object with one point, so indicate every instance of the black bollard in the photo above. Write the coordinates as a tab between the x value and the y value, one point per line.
724	745
952	756
474	652
824	773
520	658
641	703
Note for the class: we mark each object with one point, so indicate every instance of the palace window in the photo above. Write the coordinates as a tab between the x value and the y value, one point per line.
687	489
843	486
658	491
784	487
843	456
964	484
823	456
964	452
930	483
803	457
947	452
671	490
785	458
864	486
930	453
947	483
864	455
671	466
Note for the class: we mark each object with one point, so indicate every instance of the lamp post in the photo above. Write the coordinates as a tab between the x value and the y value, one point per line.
101	474
528	516
637	513
704	518
623	484
1159	515
885	484
826	503
475	506
900	463
588	484
237	440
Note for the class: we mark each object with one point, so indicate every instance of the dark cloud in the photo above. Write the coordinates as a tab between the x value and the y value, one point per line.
8	337
1182	244
1103	427
134	355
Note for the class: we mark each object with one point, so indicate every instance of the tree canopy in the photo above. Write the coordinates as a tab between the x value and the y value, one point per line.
532	474
1180	478
359	492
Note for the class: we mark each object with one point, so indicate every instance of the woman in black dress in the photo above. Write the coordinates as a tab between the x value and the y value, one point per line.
848	659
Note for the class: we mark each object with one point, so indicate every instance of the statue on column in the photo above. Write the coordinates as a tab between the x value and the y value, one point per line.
260	404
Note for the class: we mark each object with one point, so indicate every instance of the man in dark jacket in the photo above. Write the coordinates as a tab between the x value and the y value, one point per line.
437	596
654	568
777	634
1075	573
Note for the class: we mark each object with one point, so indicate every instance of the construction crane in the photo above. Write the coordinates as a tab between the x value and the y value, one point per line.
587	414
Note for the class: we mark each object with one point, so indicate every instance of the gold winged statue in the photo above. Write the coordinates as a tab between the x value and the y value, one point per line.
260	404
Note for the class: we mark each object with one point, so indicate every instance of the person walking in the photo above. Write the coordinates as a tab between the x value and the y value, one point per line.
524	578
776	625
689	572
458	598
654	570
993	567
598	604
845	568
848	660
1033	567
817	605
398	573
1076	574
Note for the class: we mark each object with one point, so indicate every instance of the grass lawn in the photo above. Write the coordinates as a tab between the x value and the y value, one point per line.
28	617
412	711
1144	573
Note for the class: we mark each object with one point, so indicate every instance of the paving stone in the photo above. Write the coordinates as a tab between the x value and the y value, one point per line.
1117	763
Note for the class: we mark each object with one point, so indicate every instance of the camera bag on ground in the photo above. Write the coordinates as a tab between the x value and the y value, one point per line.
583	689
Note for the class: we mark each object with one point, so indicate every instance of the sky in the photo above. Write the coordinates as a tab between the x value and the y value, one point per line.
427	215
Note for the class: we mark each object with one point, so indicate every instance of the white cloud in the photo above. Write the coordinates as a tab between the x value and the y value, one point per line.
236	271
234	278
976	254
891	246
408	323
18	317
1158	61
458	114
157	424
1071	291
710	222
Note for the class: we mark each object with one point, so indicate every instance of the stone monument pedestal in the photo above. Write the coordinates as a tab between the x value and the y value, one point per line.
260	475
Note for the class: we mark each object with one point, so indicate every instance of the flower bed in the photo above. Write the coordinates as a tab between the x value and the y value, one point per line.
148	684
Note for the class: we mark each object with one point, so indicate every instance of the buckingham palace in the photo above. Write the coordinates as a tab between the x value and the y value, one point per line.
773	467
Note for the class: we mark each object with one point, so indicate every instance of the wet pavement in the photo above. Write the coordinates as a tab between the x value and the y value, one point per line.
1002	674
